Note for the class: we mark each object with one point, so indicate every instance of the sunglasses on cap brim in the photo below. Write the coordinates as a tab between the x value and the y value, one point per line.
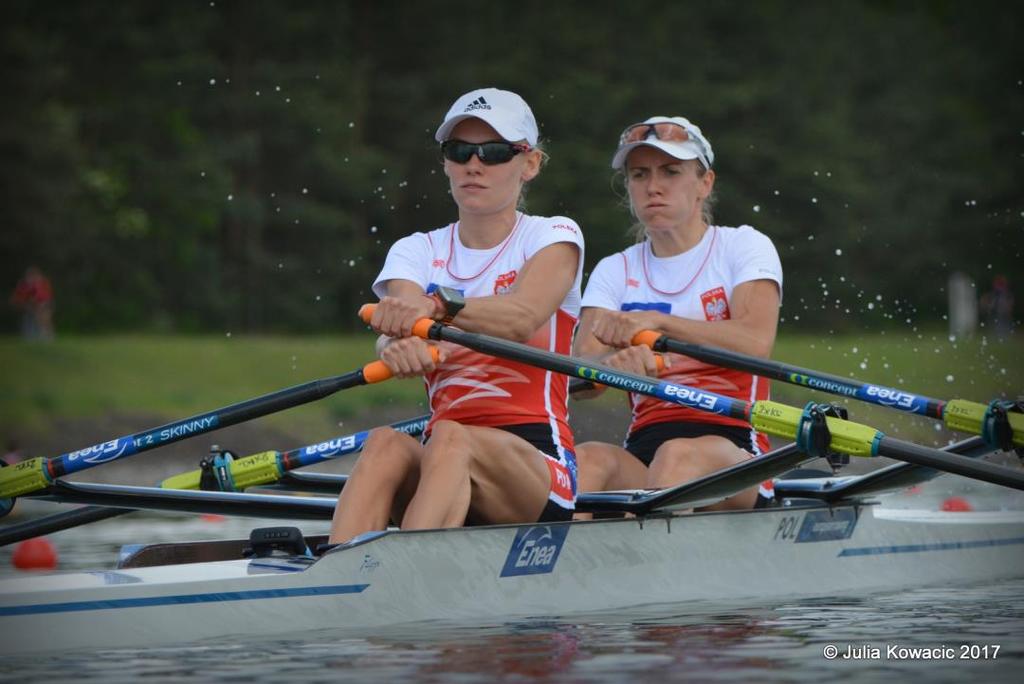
490	153
666	131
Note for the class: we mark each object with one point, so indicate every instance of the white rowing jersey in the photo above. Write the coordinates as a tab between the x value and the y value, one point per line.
696	284
478	389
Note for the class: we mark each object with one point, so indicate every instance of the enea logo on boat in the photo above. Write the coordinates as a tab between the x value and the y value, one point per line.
535	550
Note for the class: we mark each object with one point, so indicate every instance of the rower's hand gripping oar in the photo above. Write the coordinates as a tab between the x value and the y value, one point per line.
1000	423
38	473
809	428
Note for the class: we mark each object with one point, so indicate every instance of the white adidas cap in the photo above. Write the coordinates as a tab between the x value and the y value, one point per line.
506	112
696	147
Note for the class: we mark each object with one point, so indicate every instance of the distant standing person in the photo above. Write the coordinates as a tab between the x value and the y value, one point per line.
34	296
692	280
997	305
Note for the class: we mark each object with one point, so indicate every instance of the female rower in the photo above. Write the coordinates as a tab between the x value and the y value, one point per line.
498	447
693	281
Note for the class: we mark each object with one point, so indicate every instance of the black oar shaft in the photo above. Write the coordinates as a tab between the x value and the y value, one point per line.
58	521
770	414
804	377
567	365
224	503
206	422
951	463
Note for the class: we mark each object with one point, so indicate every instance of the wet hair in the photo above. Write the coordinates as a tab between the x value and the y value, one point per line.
637	231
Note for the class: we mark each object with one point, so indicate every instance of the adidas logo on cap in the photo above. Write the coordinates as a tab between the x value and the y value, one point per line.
478	103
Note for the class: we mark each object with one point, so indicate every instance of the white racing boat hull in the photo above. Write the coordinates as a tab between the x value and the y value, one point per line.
492	573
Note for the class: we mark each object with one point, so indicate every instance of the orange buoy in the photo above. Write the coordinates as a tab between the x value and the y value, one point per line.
957	504
35	554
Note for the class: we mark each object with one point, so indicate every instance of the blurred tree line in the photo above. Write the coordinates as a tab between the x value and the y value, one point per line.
243	166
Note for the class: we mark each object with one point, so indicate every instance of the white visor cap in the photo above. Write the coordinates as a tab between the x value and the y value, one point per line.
504	111
697	147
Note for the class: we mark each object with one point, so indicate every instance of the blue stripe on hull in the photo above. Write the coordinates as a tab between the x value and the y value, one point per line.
918	548
183	599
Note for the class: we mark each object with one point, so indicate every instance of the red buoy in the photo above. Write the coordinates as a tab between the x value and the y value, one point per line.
35	554
212	518
957	504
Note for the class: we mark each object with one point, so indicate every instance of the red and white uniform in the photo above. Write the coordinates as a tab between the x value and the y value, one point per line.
477	389
696	284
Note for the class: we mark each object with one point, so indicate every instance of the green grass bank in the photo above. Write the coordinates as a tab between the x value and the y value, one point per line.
164	378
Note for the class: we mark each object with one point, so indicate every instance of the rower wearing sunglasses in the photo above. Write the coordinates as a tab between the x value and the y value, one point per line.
691	280
498	447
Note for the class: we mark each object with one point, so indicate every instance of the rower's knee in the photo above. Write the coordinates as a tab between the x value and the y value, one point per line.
595	465
386	456
448	447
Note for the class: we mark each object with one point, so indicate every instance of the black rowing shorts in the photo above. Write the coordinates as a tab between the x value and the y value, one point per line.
645	441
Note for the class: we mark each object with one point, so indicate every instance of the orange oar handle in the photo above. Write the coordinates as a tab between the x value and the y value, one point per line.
420	329
646	337
377	371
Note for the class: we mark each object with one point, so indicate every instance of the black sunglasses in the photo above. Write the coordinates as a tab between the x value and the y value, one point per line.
490	153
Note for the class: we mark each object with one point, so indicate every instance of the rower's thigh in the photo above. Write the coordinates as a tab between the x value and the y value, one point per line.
509	476
604	466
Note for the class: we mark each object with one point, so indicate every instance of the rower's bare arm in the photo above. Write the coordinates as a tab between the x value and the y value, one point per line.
751	328
539	289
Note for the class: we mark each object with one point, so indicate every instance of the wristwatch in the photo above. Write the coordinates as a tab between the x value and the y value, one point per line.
452	301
